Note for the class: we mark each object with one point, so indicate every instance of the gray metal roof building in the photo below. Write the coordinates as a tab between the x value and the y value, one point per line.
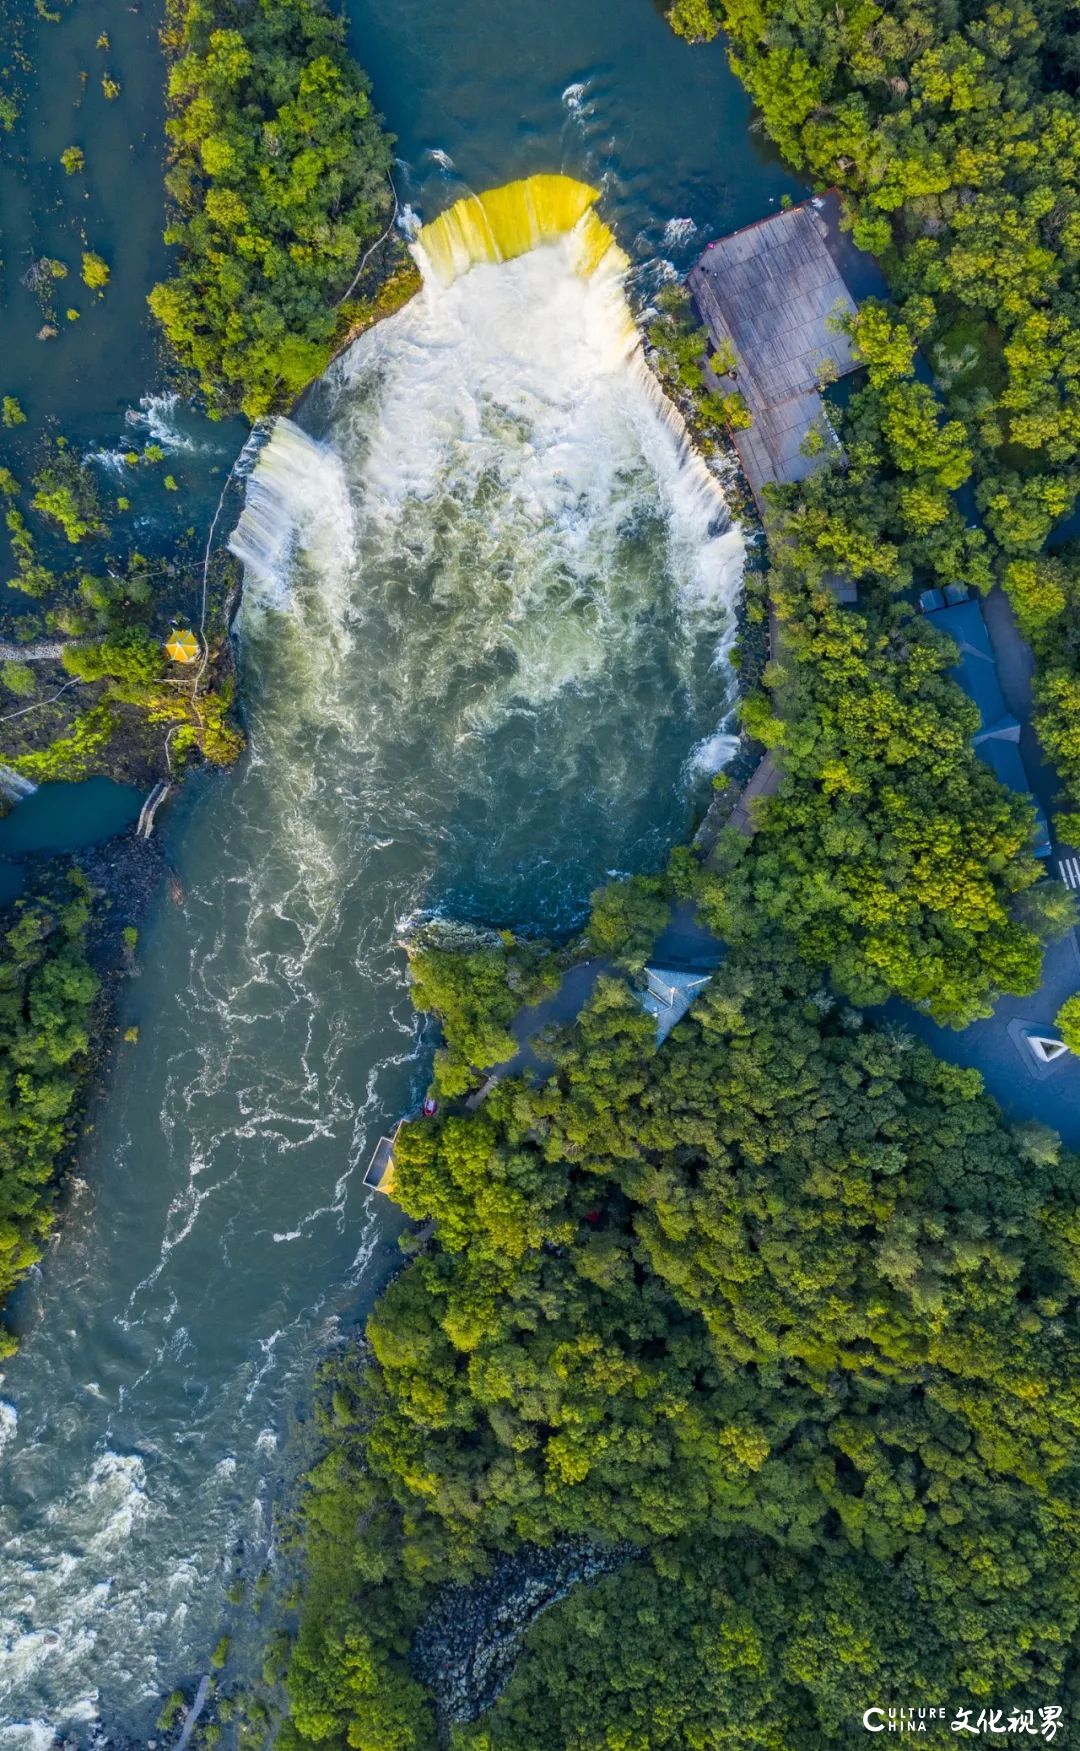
997	741
773	292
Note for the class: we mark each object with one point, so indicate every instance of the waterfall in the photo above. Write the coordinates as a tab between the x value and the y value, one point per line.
296	499
14	786
510	221
498	533
488	601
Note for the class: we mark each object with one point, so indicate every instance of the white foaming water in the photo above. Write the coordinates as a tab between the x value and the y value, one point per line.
678	232
297	502
62	1571
712	753
14	786
513	450
409	221
156	415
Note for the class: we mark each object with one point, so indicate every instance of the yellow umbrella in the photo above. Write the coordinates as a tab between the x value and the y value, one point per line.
182	646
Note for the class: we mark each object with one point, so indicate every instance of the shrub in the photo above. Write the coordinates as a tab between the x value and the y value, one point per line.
95	270
693	19
1068	1022
19	679
130	655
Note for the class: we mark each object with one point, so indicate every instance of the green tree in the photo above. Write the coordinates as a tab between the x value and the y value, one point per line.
95	270
1068	1022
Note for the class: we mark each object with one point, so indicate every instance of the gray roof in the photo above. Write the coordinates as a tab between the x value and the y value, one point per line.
669	992
771	291
996	741
976	669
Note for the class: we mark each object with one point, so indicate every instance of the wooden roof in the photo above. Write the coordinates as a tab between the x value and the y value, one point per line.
771	292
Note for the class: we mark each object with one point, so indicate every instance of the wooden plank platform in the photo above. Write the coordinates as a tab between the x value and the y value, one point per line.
772	291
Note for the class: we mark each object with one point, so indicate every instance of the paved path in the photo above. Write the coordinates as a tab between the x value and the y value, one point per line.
43	650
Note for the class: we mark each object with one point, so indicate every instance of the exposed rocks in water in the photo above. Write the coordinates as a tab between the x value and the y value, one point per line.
468	1645
428	930
127	872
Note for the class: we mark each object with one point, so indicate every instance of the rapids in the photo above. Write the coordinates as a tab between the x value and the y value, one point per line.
488	600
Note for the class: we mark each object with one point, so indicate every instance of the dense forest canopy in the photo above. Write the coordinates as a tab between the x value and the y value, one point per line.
783	1306
47	990
278	174
954	132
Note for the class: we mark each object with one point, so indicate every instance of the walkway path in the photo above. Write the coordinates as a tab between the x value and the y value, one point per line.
43	650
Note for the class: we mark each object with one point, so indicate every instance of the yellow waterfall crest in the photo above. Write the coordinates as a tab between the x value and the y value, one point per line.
515	218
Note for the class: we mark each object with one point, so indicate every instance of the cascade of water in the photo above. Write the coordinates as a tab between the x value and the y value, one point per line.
296	497
13	786
506	222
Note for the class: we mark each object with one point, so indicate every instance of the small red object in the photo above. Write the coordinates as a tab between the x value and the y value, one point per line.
592	1217
431	1107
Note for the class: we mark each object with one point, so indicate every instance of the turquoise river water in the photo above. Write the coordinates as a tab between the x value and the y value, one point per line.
482	649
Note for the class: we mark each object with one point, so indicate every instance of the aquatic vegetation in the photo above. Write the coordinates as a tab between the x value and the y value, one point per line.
111	631
12	414
278	176
95	270
65	492
73	159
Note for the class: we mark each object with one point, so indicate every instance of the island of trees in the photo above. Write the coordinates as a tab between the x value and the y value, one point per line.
781	1313
279	179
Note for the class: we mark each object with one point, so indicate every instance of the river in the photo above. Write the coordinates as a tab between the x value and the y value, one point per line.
482	650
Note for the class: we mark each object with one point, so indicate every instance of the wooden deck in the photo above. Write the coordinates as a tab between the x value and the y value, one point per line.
772	292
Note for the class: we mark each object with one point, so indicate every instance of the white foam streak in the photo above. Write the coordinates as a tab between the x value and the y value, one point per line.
156	416
9	1423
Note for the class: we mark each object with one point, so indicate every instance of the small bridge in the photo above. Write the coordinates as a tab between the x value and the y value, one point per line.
145	824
